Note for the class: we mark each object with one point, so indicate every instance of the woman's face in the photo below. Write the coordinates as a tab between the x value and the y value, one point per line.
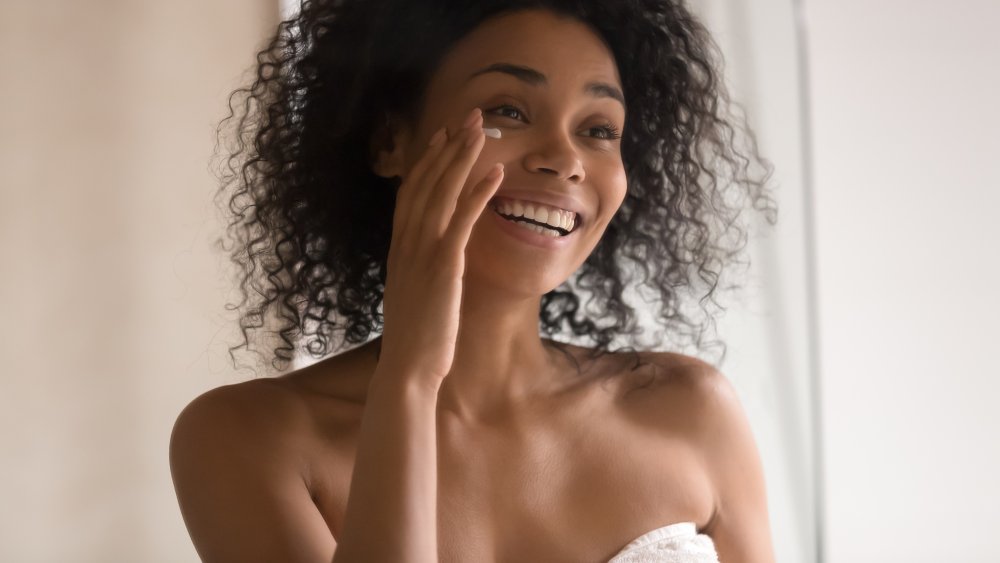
555	94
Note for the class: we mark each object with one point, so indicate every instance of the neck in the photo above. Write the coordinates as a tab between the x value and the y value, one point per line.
501	363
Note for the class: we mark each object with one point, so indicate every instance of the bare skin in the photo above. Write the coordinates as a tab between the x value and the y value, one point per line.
572	478
534	463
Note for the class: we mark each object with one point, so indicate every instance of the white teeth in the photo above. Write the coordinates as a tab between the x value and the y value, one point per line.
566	220
557	218
540	230
542	216
518	209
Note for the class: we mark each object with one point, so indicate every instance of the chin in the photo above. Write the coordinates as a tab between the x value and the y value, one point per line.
522	278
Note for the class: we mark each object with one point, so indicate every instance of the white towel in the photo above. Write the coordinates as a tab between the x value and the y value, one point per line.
676	543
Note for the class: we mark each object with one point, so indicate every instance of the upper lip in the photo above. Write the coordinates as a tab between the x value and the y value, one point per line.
545	198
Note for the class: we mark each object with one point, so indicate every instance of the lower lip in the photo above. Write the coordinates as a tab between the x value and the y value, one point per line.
531	237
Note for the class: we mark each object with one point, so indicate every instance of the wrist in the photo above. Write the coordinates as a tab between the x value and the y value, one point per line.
403	381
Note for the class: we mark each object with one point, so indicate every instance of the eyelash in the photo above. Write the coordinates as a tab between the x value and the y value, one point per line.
612	131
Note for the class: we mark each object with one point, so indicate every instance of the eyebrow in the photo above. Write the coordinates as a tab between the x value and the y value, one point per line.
533	77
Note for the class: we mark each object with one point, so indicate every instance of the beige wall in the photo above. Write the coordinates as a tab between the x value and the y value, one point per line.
906	121
110	291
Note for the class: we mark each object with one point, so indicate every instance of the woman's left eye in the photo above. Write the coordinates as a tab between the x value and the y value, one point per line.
610	131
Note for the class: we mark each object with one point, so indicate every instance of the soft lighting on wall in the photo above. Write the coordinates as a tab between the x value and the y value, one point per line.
288	7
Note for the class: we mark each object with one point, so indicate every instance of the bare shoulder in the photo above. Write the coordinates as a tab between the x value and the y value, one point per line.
668	391
248	414
289	407
679	398
703	386
236	463
245	432
668	384
274	420
694	395
718	429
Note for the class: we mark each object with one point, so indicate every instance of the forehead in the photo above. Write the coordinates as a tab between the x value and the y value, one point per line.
565	50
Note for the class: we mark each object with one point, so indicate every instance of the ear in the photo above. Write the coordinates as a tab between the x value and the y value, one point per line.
387	149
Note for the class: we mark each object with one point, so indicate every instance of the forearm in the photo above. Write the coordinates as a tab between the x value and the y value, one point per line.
392	505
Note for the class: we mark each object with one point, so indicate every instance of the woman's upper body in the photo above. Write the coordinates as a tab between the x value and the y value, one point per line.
263	468
608	116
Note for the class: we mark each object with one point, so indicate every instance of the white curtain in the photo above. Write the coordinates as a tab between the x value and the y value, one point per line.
768	329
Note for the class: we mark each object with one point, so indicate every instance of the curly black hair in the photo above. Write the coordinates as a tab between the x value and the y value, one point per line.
310	221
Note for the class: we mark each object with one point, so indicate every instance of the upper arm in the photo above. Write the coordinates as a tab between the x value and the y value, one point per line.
234	466
740	526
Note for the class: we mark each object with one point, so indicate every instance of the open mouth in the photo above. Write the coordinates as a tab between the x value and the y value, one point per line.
543	219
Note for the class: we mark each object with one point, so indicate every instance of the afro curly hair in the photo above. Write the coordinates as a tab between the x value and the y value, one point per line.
309	222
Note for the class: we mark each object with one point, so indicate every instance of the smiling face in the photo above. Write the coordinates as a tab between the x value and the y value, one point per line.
552	88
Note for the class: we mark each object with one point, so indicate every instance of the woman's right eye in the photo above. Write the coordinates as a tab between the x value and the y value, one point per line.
504	111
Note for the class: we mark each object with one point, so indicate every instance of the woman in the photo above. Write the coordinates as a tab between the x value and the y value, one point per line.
412	151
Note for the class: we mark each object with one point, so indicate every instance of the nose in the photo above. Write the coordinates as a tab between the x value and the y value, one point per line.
555	154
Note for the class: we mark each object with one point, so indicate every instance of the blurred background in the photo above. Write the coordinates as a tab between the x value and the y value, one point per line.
861	346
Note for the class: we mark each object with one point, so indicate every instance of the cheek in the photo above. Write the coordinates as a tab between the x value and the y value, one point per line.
613	195
492	153
620	182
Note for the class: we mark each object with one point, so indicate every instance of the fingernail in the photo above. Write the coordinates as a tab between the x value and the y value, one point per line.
492	132
473	117
438	137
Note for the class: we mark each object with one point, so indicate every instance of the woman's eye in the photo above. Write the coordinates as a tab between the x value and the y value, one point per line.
609	131
505	111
